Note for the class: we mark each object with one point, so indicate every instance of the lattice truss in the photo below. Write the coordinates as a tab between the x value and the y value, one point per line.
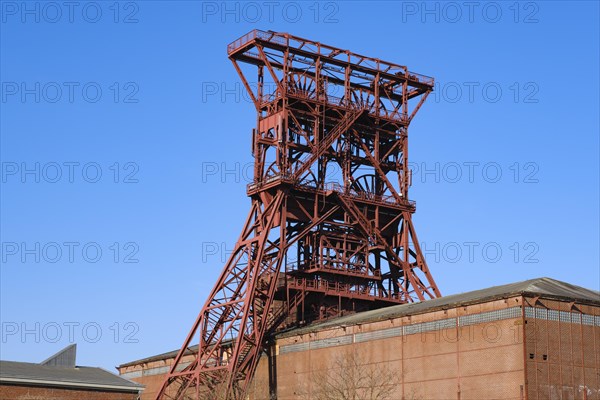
329	229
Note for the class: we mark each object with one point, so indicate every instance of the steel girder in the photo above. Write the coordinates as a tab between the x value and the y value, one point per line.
330	193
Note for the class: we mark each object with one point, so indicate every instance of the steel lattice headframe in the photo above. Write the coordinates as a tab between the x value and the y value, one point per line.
329	230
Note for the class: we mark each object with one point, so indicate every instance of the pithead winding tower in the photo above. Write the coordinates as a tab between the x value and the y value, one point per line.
329	230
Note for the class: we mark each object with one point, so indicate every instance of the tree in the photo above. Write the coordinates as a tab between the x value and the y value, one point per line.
350	378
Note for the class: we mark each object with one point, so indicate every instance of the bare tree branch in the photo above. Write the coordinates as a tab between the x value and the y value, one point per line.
349	377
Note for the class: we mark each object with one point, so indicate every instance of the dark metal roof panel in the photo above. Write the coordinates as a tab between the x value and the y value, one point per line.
543	287
64	358
11	371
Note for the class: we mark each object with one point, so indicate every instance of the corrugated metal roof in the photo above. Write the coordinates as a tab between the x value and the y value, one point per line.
64	358
544	287
92	377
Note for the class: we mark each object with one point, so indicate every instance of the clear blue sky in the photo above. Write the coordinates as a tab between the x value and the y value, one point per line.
152	103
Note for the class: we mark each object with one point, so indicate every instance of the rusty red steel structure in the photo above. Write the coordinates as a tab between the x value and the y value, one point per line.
329	230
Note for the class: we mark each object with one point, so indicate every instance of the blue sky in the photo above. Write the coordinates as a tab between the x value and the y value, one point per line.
126	142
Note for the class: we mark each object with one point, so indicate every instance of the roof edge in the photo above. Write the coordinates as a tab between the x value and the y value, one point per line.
521	288
41	382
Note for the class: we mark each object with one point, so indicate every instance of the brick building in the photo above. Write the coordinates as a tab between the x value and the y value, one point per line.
59	378
538	339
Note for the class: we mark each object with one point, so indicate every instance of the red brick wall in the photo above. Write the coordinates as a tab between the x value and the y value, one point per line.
153	384
10	392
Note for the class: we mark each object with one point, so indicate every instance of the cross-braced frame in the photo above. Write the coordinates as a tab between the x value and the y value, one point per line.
330	227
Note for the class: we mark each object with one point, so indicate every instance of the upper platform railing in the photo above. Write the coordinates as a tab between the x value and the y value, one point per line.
254	34
328	188
330	53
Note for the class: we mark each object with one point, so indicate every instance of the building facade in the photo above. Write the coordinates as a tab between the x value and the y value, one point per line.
538	339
